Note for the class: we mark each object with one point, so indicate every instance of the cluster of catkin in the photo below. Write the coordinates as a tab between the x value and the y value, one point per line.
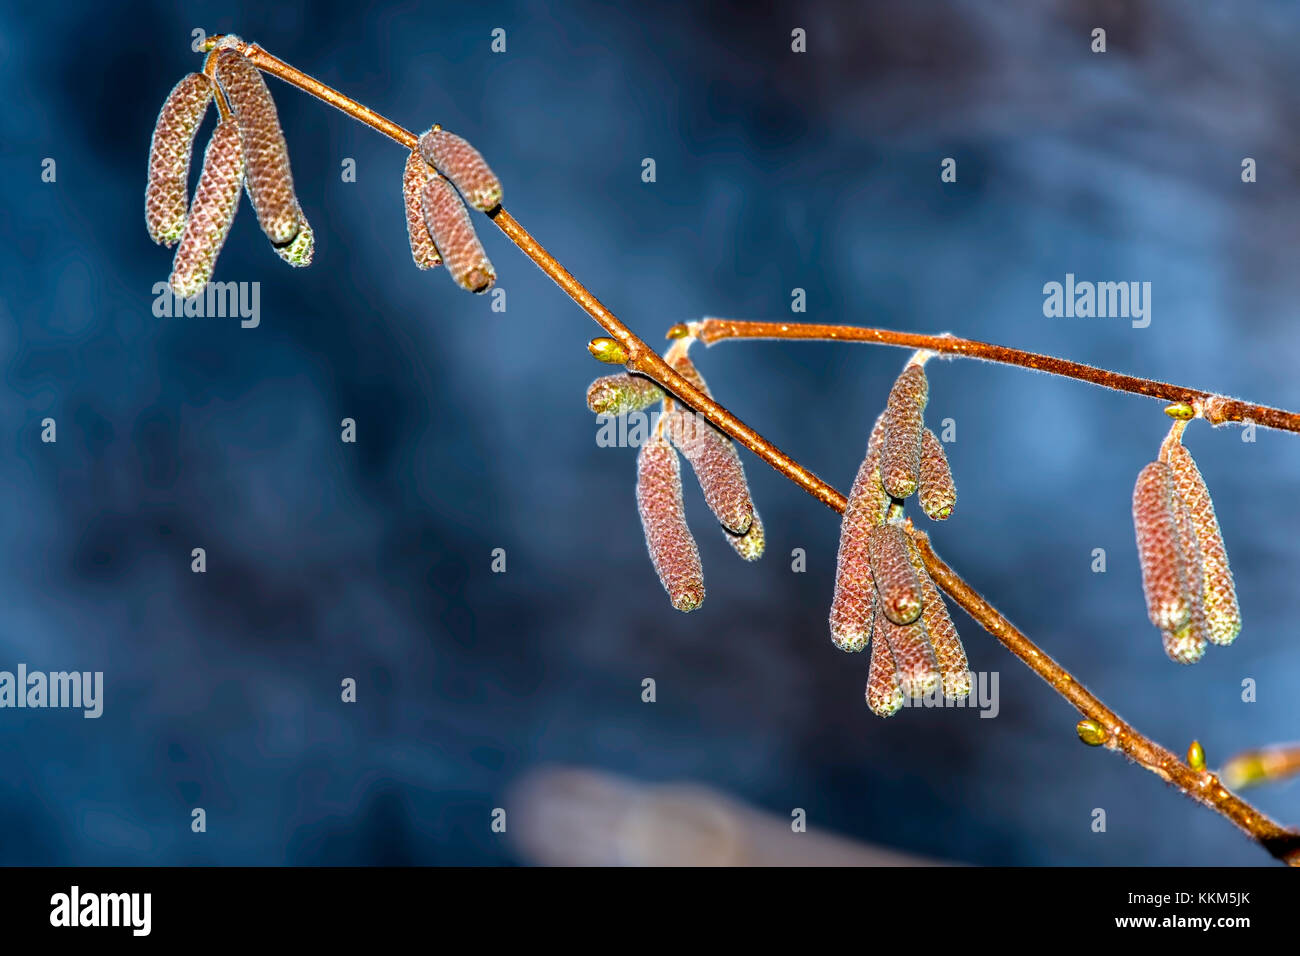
717	467
1188	583
248	151
882	587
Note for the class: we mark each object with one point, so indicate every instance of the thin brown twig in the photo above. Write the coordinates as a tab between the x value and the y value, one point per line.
1216	409
644	360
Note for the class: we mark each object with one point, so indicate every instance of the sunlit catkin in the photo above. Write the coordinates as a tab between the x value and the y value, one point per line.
463	165
900	461
749	545
884	692
897	585
1155	523
853	606
414	176
269	179
166	197
1218	592
713	458
211	213
1187	644
949	653
454	236
909	645
672	548
937	491
622	393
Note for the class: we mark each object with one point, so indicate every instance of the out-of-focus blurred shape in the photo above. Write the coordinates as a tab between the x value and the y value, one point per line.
563	816
1250	768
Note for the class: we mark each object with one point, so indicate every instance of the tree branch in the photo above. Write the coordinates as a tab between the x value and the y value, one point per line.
642	359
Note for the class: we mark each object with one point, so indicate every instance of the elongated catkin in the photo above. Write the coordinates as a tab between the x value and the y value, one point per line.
938	493
900	461
215	201
884	692
897	586
663	517
454	236
1155	523
463	165
622	393
853	606
166	196
268	176
414	176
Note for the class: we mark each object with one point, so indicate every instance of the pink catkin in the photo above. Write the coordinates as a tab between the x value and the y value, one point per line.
1156	525
663	517
713	458
414	176
949	654
215	202
266	155
918	671
461	163
454	235
1187	644
166	197
1219	591
937	492
854	603
884	692
897	586
900	461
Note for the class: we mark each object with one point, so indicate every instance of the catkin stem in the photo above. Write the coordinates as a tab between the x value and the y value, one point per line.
1203	787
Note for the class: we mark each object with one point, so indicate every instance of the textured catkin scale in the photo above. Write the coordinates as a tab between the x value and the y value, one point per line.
1191	637
1218	592
897	585
949	654
1184	646
269	179
1155	523
884	692
672	548
900	456
853	606
717	467
299	252
918	670
749	545
622	393
165	198
454	235
414	176
938	493
461	163
211	213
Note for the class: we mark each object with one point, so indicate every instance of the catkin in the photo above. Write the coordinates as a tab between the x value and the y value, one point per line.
884	692
749	545
299	252
938	493
1218	591
663	517
461	163
269	178
453	234
918	671
897	584
166	196
713	458
853	606
414	176
1156	524
900	461
949	654
1188	642
622	393
215	202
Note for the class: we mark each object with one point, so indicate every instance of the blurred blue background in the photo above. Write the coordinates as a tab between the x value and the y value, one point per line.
775	170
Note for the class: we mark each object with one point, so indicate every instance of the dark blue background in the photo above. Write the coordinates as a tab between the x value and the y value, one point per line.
775	171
